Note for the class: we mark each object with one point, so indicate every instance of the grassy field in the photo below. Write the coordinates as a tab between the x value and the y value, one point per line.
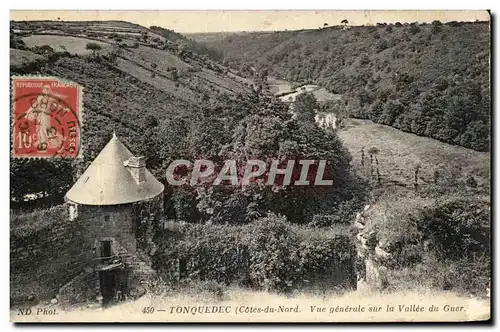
73	45
277	86
219	82
400	152
159	81
163	60
238	300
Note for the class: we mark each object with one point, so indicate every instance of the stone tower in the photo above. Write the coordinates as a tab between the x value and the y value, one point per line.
115	200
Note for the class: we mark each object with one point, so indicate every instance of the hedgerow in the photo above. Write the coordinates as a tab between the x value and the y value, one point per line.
27	224
270	253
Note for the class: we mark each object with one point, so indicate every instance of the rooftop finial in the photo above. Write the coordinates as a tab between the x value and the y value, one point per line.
114	134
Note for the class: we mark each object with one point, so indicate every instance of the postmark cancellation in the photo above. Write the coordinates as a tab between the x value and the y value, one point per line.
46	117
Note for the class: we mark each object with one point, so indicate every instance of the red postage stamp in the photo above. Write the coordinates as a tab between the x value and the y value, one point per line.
46	117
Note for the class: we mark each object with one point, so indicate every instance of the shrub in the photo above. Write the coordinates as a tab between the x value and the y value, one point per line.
94	47
436	29
43	50
441	244
454	24
463	276
324	220
458	228
414	29
382	45
25	224
269	254
273	249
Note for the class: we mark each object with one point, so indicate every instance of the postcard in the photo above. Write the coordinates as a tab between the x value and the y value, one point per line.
250	166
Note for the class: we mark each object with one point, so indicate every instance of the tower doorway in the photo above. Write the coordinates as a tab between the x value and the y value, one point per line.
107	280
105	251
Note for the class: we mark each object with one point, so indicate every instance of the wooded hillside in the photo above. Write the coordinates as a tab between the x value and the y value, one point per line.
427	79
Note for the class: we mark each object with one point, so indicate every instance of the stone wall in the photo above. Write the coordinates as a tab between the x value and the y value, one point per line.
141	275
43	260
113	223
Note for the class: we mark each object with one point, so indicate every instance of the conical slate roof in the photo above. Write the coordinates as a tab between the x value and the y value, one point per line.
107	181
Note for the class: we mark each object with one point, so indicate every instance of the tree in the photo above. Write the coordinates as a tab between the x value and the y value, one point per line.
454	24
305	107
415	177
373	152
150	121
436	29
414	28
375	111
16	42
269	138
48	179
114	54
382	45
263	73
476	136
391	110
94	47
245	69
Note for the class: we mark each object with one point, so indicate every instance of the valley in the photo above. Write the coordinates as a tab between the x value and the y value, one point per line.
429	79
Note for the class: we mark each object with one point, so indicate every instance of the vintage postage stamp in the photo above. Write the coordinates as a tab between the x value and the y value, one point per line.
46	117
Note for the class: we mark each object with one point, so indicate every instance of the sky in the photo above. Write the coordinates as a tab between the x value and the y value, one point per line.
250	20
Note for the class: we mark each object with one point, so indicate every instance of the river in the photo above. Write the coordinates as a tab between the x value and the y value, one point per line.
287	93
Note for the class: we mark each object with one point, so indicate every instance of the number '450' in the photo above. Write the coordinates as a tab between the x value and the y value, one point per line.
148	310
